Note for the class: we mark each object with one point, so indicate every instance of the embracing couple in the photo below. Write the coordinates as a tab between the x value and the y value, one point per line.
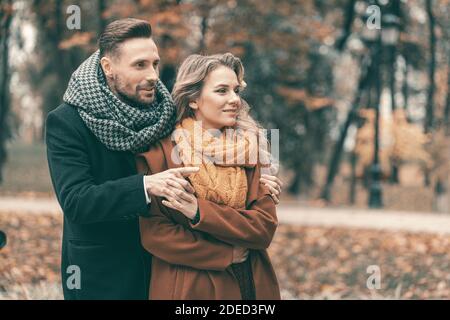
163	196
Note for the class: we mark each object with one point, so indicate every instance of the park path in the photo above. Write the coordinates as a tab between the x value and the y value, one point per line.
295	215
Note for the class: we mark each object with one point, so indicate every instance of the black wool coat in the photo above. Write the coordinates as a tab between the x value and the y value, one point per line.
101	195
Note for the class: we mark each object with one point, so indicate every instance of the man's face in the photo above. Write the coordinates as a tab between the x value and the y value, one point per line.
133	72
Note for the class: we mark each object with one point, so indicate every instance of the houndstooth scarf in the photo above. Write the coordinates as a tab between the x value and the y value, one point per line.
119	126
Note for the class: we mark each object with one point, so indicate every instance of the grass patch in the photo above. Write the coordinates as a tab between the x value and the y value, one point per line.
26	170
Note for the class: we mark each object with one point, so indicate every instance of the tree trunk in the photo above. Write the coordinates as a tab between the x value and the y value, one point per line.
333	167
53	56
6	14
392	82
101	6
204	13
294	188
405	88
204	30
59	29
393	64
447	100
394	172
347	29
353	161
440	201
429	118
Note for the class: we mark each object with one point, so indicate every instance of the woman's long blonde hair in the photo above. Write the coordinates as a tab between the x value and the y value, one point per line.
189	83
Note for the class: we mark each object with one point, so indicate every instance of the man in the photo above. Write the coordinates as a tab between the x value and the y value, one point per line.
114	107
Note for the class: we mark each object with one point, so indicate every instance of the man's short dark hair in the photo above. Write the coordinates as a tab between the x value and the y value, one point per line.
121	30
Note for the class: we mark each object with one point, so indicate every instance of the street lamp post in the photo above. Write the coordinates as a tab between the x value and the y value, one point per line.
390	36
375	191
376	39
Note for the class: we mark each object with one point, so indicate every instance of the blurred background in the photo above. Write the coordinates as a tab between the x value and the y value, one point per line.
358	89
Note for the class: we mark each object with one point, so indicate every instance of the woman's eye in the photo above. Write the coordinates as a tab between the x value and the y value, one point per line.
222	90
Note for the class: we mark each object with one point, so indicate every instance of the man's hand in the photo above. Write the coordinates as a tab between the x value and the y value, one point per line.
239	254
274	184
171	183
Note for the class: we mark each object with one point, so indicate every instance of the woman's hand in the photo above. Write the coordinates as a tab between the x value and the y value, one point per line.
239	254
188	205
274	184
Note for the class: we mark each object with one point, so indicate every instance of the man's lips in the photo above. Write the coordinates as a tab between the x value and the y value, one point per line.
148	91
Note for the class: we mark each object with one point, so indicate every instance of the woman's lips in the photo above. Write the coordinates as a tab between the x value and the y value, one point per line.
230	113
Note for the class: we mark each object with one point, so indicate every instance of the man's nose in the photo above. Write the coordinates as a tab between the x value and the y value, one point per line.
152	76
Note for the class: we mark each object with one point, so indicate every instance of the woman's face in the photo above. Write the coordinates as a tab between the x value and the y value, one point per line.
219	101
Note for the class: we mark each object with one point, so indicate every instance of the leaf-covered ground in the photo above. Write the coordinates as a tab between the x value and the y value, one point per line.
311	262
31	257
332	263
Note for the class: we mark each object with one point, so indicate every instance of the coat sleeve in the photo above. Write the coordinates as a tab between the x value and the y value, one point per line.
82	200
252	227
177	244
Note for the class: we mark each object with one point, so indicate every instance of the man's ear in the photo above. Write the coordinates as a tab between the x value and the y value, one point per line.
107	66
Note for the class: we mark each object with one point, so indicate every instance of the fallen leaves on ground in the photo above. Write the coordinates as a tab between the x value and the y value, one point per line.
310	262
332	263
31	258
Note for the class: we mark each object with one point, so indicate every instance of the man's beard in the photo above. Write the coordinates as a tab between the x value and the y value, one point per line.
133	101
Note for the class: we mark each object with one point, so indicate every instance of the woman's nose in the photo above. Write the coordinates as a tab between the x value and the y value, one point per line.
234	98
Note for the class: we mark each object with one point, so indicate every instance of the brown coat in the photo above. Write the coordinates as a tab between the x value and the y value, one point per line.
193	261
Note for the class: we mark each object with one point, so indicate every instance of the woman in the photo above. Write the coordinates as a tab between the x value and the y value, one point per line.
193	239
